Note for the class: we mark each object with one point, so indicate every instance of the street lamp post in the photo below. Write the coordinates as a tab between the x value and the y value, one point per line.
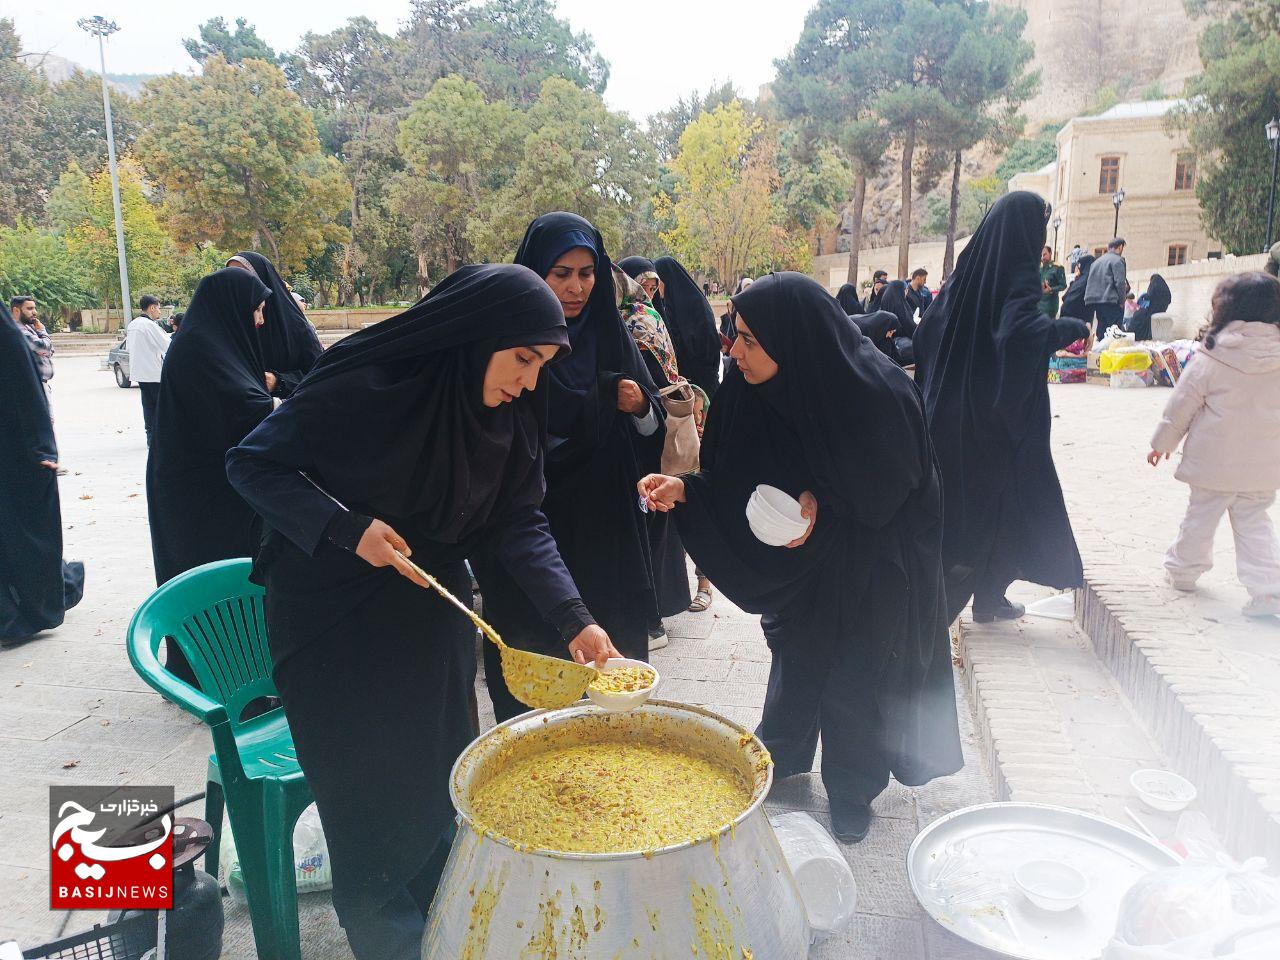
1117	198
1057	222
102	28
1273	136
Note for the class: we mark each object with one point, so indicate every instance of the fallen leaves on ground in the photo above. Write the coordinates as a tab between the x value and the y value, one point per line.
86	496
70	763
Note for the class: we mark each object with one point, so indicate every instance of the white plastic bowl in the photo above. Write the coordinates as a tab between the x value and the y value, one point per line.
769	525
621	702
1051	884
785	506
1162	791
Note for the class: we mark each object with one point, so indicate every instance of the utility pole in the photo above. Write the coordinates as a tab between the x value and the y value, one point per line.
102	28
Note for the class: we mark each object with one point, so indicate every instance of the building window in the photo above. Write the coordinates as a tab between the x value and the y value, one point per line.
1177	254
1184	176
1109	178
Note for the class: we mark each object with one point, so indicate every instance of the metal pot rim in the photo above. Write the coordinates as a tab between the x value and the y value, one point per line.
463	808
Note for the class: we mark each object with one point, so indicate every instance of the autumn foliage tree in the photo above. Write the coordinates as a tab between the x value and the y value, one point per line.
726	205
237	156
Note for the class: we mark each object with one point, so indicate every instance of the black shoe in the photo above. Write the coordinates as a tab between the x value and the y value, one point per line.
850	821
1003	609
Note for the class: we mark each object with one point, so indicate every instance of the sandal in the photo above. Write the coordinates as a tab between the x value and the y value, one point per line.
703	598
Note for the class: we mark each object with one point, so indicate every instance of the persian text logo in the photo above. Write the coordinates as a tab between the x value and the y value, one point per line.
111	848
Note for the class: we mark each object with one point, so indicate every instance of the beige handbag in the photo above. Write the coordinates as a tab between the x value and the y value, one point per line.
680	451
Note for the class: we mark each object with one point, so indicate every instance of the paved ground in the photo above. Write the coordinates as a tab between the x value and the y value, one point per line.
75	713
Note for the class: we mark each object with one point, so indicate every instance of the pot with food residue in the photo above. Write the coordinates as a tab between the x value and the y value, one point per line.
588	835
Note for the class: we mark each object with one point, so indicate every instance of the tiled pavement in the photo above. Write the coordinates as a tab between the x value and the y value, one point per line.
74	712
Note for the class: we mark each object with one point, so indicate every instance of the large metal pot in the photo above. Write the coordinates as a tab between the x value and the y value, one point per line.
729	896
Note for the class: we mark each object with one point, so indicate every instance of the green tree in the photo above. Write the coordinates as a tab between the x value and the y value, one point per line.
577	155
1030	153
1227	108
976	198
217	40
726	206
826	85
239	160
459	149
350	79
508	47
982	74
37	263
82	213
815	181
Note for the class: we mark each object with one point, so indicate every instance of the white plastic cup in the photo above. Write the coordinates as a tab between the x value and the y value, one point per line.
823	876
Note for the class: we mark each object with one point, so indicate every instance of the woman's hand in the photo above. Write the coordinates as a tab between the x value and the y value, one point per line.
592	645
271	381
380	546
49	464
808	510
631	399
661	493
1155	456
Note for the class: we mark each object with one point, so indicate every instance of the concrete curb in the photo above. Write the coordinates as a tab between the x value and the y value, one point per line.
1197	707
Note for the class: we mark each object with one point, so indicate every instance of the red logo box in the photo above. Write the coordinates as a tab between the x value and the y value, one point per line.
111	848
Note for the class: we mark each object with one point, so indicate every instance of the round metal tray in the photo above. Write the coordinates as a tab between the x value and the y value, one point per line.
961	870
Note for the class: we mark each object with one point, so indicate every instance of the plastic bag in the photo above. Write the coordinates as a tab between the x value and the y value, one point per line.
1113	361
1123	379
1209	906
310	857
826	884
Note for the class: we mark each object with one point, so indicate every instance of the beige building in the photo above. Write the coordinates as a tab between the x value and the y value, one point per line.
1128	148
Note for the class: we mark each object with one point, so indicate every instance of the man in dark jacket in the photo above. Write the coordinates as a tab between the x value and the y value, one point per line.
918	293
1053	280
1108	286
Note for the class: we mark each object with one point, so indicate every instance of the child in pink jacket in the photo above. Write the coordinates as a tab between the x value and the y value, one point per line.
1227	404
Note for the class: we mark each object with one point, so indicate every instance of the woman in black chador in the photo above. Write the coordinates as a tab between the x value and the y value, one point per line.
423	436
290	346
36	586
854	610
605	430
847	297
981	354
211	395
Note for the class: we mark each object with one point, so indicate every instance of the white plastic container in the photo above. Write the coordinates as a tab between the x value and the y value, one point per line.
1162	791
618	702
827	888
1051	884
774	516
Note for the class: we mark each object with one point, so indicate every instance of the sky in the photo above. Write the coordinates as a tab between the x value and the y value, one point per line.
652	63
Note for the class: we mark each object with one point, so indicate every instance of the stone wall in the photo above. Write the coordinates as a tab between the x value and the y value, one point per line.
832	269
1192	284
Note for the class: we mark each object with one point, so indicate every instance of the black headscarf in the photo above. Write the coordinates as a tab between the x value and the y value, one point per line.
211	395
692	325
637	267
1073	299
1158	297
894	299
842	420
36	586
603	351
289	343
393	416
981	355
847	297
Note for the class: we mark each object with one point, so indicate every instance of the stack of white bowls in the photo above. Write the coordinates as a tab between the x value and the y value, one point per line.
774	516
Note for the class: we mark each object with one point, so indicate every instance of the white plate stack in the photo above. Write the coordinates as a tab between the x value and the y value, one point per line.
774	516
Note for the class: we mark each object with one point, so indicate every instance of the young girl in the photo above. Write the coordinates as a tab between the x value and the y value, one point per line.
1227	403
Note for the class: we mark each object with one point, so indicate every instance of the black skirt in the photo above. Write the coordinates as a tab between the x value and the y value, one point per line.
377	681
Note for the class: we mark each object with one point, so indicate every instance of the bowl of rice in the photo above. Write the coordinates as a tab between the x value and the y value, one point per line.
623	684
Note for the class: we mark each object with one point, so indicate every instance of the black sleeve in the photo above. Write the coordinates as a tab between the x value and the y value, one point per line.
267	470
523	545
286	382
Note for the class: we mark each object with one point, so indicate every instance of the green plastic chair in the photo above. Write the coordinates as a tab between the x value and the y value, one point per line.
216	616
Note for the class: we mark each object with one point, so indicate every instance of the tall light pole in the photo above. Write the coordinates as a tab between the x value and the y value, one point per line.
1117	198
102	28
1057	222
1273	136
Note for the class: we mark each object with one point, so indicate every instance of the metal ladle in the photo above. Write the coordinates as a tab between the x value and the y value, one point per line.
535	679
